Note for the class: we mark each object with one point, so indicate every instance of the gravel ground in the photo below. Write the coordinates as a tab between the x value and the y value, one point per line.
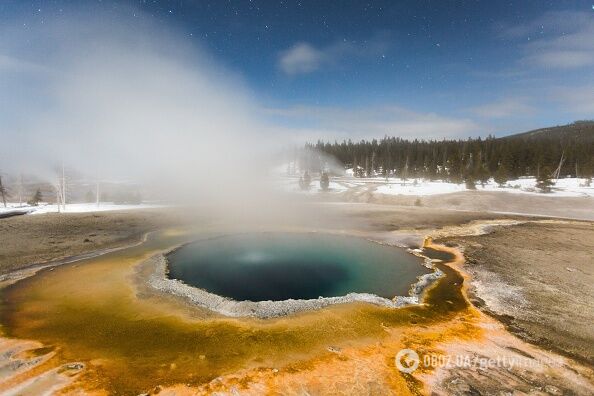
34	239
538	278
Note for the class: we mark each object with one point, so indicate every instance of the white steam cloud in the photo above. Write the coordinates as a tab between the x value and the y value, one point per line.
125	101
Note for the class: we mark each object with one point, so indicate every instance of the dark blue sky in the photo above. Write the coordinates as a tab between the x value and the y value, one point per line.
478	67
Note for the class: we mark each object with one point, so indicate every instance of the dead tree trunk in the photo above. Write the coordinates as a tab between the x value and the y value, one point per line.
3	192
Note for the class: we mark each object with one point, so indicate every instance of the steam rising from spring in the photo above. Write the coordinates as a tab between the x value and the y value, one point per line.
131	103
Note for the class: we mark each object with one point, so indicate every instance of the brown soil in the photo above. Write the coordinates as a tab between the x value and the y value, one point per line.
537	278
481	201
33	239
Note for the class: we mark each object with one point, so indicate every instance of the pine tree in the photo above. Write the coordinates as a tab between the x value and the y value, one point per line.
450	159
324	181
305	181
480	171
404	176
501	175
469	174
386	166
587	172
483	175
361	169
36	198
455	168
469	181
544	182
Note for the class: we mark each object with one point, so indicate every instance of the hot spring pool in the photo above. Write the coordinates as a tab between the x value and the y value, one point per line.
260	267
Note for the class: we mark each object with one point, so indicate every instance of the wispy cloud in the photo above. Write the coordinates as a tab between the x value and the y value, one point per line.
304	57
357	123
563	59
301	58
576	100
504	108
12	64
557	40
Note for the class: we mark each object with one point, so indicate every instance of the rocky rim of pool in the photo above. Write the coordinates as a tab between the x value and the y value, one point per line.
155	272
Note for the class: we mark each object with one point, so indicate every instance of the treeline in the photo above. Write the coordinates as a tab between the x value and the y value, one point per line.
565	155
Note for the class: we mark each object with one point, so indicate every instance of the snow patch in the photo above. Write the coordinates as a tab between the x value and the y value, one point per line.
73	208
568	187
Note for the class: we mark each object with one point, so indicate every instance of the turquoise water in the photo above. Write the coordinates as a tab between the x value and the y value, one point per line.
280	266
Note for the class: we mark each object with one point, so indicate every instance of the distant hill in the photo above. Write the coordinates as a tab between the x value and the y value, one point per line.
580	130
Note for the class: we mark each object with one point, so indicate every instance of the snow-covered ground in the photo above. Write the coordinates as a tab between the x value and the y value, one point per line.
568	187
420	188
73	208
291	184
